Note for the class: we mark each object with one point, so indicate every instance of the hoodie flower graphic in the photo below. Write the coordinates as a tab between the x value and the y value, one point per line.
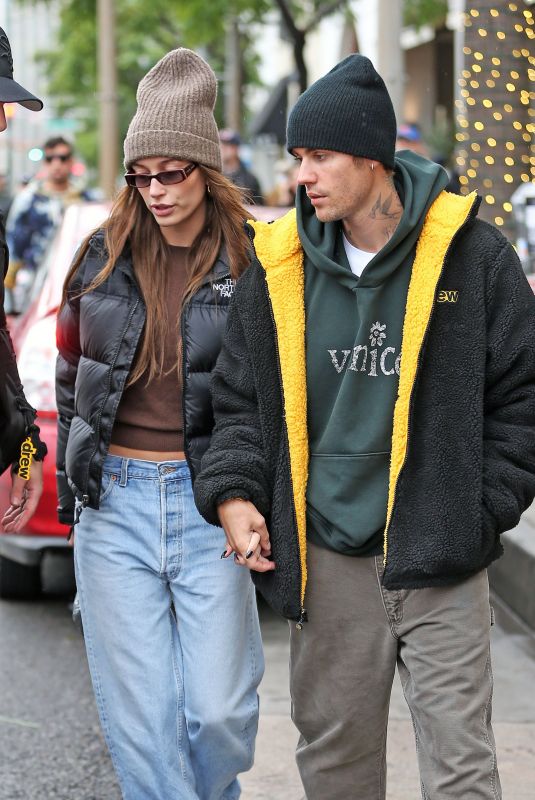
377	334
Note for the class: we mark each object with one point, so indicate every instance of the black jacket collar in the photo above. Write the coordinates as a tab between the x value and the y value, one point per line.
124	263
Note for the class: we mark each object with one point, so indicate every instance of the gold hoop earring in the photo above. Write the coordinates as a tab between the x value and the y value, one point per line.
208	189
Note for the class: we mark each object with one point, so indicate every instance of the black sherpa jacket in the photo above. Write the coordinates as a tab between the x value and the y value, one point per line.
463	445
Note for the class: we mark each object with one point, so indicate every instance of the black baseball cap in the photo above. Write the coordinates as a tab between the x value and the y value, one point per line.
10	90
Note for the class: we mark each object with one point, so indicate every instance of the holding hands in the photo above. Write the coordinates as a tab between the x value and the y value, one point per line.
247	535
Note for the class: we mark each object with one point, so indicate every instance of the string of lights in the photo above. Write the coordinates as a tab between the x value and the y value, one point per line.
495	111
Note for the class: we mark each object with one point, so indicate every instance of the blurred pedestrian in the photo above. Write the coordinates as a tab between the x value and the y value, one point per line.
284	191
171	630
374	403
235	169
20	445
409	137
38	209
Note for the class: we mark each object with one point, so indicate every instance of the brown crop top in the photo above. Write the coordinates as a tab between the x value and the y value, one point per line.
149	416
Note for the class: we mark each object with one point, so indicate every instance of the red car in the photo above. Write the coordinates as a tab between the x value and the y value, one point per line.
34	338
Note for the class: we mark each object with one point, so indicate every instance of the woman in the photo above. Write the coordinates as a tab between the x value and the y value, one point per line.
171	630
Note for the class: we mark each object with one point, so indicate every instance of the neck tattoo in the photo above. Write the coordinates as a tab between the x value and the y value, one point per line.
385	208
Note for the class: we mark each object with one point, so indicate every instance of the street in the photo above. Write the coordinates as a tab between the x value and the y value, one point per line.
51	747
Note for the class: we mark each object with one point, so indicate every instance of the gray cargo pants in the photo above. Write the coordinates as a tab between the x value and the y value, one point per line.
341	670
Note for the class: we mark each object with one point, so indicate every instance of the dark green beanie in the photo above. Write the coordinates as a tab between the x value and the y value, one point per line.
348	110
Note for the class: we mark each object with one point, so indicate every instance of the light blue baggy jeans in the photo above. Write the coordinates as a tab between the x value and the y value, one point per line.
172	636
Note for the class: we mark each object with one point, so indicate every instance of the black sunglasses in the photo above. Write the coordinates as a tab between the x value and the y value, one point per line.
140	180
63	157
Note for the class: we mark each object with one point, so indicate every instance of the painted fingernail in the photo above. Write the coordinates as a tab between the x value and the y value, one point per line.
249	553
224	554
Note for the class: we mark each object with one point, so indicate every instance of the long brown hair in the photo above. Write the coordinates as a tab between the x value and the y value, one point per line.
131	222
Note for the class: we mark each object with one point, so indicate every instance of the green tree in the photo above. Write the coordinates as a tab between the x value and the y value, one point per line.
425	12
146	31
299	19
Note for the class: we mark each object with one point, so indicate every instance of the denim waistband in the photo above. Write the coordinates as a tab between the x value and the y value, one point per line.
126	468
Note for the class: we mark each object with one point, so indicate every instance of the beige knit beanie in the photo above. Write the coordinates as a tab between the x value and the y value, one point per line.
175	112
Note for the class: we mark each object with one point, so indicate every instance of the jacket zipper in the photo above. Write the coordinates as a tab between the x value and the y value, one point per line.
468	219
182	329
303	617
186	443
85	497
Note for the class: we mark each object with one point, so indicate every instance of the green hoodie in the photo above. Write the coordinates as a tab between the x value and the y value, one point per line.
353	336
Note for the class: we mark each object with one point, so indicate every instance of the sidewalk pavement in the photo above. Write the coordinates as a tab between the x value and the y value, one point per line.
275	776
513	575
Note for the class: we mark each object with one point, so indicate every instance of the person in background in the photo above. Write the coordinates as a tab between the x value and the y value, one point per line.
235	169
171	629
375	405
409	137
37	210
283	193
17	418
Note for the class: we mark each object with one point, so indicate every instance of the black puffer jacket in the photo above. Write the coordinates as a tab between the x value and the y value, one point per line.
97	335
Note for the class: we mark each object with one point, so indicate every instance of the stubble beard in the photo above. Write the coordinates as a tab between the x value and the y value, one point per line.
329	213
332	214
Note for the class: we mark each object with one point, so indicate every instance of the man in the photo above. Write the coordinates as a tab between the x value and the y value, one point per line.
18	432
37	211
235	169
375	406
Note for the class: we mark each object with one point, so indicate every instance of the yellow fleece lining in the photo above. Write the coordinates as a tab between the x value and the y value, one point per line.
443	220
278	248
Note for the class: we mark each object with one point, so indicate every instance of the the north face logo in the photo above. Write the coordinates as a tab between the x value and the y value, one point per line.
447	296
226	288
